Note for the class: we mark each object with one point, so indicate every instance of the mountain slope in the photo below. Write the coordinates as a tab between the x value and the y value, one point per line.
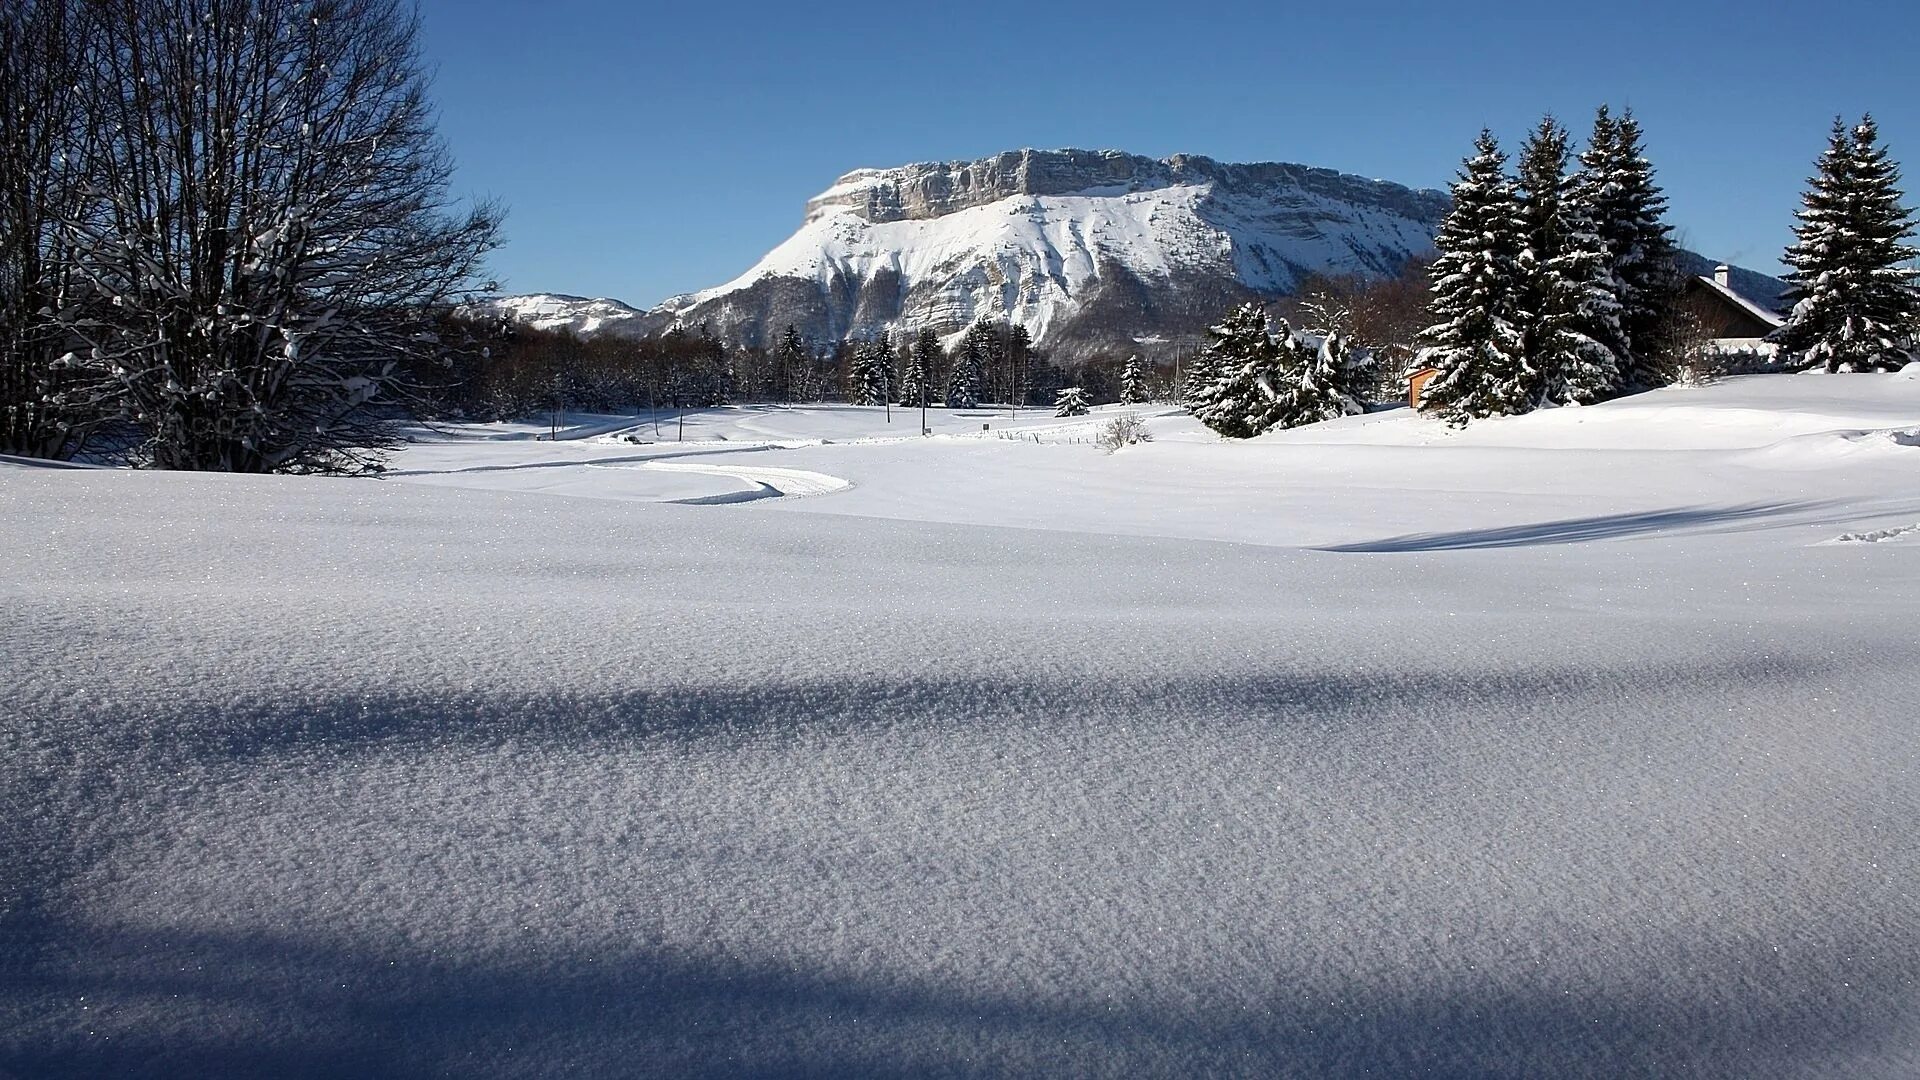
1085	249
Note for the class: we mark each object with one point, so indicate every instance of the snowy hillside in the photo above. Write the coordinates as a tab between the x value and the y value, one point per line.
554	311
1082	248
788	742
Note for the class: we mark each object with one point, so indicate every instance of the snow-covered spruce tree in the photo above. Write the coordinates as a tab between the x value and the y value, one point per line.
1566	289
1320	379
50	400
968	371
1476	340
273	237
1071	401
1133	382
873	371
916	381
1245	359
1855	305
1627	210
1200	375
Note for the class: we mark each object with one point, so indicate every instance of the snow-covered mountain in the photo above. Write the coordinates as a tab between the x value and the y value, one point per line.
558	311
1087	249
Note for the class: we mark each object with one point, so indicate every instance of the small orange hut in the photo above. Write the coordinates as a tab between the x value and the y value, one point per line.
1416	382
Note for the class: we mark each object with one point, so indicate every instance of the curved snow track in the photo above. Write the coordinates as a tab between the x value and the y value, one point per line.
763	482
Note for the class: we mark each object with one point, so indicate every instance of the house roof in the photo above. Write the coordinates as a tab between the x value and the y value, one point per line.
1758	312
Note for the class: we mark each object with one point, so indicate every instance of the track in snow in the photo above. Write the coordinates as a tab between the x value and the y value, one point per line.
765	482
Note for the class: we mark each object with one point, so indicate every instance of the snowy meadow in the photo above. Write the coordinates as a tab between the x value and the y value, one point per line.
791	742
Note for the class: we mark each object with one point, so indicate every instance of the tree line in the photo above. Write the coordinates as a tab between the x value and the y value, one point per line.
522	370
1558	284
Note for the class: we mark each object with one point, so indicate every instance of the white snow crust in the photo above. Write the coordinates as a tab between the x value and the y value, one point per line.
1571	745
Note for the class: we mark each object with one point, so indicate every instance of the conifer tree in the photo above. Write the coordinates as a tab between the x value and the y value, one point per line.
1020	358
916	382
1476	341
872	371
1627	208
1245	359
790	361
1565	287
1855	307
1314	381
1133	382
1071	401
1198	379
969	360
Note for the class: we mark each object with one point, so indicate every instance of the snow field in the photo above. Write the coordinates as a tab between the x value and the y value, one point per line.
1011	758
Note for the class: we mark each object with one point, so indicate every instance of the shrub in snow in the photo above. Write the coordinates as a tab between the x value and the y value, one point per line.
1855	305
1071	402
1127	430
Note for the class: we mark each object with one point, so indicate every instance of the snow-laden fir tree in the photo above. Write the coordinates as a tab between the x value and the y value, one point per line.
1245	359
1565	286
969	368
916	379
1627	210
872	371
1477	341
1133	382
1318	378
1198	378
1855	307
1071	401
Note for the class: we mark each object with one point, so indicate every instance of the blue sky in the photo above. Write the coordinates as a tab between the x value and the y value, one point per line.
645	149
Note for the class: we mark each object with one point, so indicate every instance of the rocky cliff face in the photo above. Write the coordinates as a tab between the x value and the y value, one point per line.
1089	250
920	192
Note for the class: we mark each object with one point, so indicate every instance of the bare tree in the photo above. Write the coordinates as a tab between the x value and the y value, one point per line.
48	402
271	237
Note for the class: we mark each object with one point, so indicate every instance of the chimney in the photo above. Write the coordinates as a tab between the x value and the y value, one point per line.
1723	276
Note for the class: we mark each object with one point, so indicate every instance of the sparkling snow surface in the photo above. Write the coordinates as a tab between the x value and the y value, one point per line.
1578	744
